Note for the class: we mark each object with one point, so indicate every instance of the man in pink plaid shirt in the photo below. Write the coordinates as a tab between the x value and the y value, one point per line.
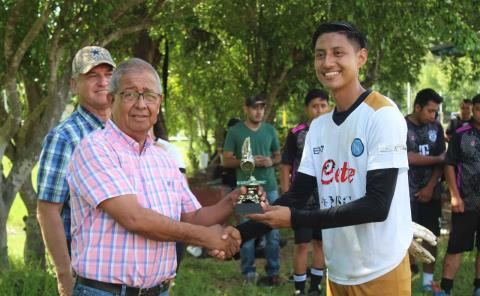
129	201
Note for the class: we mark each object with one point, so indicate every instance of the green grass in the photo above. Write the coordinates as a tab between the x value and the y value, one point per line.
22	280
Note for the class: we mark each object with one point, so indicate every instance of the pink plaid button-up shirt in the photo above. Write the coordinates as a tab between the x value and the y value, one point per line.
107	164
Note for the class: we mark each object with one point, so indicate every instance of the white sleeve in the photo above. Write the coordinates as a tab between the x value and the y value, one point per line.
306	164
175	154
387	138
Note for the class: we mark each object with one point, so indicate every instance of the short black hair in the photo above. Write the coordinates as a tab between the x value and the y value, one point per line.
425	95
352	33
476	99
315	93
467	101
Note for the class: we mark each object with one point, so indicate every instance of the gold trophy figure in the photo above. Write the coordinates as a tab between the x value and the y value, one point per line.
248	203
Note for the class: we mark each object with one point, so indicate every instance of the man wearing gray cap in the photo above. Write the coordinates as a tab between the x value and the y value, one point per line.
92	69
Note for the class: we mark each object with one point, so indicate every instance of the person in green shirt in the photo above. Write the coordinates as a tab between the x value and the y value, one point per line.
266	150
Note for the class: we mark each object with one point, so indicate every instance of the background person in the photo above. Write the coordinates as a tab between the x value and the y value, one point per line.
426	152
316	104
462	171
266	151
92	68
460	119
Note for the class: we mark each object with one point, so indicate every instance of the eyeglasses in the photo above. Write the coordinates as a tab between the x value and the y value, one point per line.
132	96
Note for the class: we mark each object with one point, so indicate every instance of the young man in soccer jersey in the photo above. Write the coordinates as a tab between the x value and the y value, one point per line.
357	157
426	147
316	104
461	119
462	171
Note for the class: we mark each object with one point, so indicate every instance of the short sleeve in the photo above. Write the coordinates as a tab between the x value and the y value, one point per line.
52	184
95	173
386	140
307	164
289	149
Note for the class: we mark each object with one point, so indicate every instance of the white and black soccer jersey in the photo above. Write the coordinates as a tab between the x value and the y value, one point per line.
425	140
372	137
464	154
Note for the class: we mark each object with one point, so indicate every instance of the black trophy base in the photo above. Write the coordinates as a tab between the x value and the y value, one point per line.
248	208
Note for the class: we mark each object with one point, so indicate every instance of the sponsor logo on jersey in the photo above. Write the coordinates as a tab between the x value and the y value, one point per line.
392	148
357	147
333	201
330	173
317	150
432	135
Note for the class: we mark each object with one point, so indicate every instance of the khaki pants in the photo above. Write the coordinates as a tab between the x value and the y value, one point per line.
395	283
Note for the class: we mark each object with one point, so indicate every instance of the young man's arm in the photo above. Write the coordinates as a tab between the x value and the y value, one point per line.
425	194
229	160
424	160
285	170
456	200
373	207
452	159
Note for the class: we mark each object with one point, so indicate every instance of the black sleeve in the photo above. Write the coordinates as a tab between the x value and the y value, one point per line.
288	153
454	151
373	207
296	197
450	128
441	139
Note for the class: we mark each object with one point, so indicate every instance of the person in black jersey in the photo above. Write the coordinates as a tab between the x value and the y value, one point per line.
460	119
356	156
316	104
462	171
426	152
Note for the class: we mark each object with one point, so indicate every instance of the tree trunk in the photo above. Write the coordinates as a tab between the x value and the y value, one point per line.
34	249
4	264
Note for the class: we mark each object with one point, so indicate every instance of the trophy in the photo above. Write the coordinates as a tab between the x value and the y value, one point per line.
248	203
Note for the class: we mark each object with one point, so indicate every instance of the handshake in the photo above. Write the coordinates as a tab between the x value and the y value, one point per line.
223	242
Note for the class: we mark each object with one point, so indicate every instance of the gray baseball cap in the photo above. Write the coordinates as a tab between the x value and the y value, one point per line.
88	58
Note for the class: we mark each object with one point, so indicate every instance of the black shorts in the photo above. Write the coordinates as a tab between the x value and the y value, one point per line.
305	235
462	235
427	214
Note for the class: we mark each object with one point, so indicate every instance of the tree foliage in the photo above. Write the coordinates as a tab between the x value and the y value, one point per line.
39	39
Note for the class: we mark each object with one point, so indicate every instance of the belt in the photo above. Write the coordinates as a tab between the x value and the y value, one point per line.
130	291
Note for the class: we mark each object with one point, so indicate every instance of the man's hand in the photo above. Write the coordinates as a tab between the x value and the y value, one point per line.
263	161
275	216
458	206
425	194
65	283
223	242
420	234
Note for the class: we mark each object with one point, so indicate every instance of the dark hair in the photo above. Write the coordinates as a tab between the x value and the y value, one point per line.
352	33
425	95
315	93
232	121
476	99
467	101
